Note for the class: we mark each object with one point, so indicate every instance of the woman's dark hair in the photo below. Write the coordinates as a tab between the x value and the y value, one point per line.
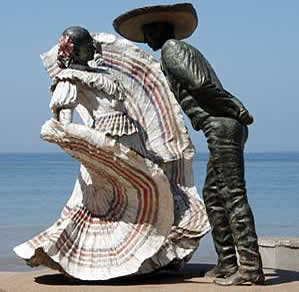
69	43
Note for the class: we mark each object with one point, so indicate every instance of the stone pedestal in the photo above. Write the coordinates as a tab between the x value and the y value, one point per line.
280	252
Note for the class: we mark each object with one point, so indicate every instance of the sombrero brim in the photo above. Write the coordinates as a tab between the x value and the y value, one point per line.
183	17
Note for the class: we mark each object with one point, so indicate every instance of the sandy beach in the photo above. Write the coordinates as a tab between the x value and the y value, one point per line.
190	279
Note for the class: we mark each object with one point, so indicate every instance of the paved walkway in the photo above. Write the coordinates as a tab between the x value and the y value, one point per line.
188	280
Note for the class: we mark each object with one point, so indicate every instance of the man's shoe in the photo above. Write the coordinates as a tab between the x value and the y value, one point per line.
220	272
238	279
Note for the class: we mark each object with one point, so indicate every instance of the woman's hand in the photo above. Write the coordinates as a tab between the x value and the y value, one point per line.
65	116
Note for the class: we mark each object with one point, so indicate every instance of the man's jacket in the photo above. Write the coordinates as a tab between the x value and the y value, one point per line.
195	84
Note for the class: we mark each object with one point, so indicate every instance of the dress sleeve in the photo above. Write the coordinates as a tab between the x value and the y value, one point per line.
64	96
97	81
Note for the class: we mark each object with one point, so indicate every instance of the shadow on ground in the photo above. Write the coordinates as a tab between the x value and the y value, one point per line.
277	277
161	277
273	277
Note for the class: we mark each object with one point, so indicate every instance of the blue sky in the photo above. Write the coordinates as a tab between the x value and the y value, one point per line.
252	45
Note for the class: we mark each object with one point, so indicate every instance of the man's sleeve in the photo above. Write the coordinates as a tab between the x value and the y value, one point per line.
192	109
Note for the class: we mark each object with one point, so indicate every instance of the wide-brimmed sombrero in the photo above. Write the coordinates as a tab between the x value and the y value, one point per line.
182	16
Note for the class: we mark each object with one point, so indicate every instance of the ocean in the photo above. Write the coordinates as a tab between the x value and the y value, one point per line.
34	187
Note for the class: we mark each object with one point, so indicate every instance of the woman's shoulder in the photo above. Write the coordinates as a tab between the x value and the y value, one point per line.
78	77
72	75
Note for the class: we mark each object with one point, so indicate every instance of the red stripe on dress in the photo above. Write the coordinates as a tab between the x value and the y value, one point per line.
144	214
148	82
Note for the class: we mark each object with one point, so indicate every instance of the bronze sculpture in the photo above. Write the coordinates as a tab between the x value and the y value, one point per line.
222	118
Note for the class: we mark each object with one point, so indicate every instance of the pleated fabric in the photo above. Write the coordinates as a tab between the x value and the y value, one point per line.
119	215
161	144
115	124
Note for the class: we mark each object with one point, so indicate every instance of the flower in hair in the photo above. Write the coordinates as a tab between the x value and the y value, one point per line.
66	46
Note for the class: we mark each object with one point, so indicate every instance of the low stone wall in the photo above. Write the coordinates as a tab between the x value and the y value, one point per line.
280	252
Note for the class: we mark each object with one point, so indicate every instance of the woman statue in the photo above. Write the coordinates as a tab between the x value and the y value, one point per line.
120	219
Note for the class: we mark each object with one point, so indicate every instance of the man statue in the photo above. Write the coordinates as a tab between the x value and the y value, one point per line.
222	118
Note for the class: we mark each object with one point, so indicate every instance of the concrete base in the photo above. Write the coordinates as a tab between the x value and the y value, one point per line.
187	280
280	252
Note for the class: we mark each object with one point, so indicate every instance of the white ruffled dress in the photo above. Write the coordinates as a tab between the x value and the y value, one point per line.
126	215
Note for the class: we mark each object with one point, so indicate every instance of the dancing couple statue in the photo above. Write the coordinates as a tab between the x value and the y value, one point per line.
134	208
